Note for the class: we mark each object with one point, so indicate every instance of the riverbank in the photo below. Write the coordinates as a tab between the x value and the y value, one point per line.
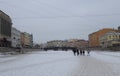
12	51
107	49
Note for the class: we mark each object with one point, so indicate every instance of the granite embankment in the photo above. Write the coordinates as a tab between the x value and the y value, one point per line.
16	50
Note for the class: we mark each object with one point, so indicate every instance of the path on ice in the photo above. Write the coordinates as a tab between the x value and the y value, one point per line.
92	67
59	63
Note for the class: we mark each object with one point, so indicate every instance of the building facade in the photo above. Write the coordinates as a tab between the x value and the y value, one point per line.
5	30
26	40
110	39
16	38
78	43
55	43
95	37
71	43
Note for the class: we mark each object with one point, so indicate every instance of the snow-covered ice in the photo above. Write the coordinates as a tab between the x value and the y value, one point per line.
61	63
110	58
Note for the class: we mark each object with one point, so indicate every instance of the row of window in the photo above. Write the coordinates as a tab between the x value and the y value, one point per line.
114	36
5	27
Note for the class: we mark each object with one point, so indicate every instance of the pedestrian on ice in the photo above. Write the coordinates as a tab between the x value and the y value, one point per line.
74	51
77	52
88	52
83	52
80	51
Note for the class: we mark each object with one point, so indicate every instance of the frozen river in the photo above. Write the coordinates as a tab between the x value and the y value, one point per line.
61	63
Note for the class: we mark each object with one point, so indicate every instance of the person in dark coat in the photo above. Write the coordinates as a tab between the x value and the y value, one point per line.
74	52
83	52
77	52
80	51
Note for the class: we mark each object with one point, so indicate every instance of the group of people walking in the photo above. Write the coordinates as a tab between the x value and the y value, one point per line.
78	52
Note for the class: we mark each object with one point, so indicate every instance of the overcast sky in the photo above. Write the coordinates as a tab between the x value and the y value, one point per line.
62	19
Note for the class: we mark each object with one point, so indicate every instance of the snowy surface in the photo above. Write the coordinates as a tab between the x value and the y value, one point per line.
61	63
111	58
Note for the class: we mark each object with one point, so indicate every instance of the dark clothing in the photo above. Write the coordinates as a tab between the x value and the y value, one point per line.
77	52
74	52
83	52
80	52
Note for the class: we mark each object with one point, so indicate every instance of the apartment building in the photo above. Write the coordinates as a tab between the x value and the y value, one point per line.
78	43
26	40
16	38
110	39
95	36
5	30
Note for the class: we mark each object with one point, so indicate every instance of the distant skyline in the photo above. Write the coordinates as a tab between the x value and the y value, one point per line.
62	19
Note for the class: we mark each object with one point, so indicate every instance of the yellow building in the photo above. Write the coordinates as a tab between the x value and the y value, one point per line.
26	40
95	37
110	39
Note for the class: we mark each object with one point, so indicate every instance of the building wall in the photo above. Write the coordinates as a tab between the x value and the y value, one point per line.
119	29
31	40
79	43
94	37
0	27
54	43
110	39
22	39
16	36
26	39
5	30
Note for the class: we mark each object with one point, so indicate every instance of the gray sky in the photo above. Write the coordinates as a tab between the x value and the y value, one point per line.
62	19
